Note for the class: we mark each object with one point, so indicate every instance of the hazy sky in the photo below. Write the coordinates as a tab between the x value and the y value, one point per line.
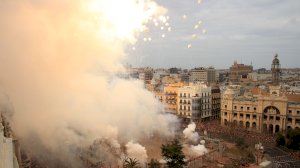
242	30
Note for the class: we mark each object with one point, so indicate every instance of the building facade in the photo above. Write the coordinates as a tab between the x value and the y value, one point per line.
216	102
239	72
7	149
261	111
170	97
194	102
201	74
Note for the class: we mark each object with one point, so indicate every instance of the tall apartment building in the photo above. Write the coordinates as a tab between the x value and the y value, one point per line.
170	97
238	72
216	102
201	74
194	102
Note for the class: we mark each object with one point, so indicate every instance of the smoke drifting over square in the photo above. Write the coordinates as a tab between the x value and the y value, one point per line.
57	66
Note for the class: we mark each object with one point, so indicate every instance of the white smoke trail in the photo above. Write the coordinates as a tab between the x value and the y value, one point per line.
190	134
57	65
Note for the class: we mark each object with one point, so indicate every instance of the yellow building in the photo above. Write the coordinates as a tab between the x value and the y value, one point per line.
170	96
259	110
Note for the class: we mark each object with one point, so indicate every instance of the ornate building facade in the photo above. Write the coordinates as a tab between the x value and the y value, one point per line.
264	110
261	111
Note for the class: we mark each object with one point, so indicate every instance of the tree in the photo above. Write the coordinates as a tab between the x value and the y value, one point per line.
293	137
154	164
173	155
280	140
131	163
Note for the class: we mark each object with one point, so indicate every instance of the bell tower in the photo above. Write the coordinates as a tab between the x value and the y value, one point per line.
275	70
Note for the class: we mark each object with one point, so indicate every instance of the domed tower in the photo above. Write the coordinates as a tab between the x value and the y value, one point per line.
275	70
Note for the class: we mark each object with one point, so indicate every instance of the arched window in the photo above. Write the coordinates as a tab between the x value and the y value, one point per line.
277	128
247	124
271	110
225	122
254	125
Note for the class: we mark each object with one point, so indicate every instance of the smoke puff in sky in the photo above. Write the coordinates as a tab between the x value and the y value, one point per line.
57	65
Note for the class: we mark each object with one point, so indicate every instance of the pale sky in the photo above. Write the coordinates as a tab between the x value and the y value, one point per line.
242	30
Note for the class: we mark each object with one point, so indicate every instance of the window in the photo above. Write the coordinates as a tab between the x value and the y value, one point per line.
271	117
290	111
241	115
234	107
277	118
225	106
254	108
234	114
298	112
242	107
254	116
248	116
248	108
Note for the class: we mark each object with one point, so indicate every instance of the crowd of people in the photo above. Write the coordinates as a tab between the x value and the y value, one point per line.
214	129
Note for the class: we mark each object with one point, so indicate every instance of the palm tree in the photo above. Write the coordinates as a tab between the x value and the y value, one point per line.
131	163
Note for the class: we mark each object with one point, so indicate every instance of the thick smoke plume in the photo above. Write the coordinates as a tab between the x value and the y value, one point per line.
57	65
198	150
135	150
190	134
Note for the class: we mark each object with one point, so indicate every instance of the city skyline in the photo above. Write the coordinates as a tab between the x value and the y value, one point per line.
271	27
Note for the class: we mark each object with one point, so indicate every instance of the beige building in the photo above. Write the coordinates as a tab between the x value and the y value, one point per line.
239	72
259	110
170	96
208	75
194	102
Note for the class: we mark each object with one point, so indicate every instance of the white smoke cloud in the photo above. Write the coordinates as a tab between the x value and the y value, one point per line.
57	65
137	151
198	150
190	134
